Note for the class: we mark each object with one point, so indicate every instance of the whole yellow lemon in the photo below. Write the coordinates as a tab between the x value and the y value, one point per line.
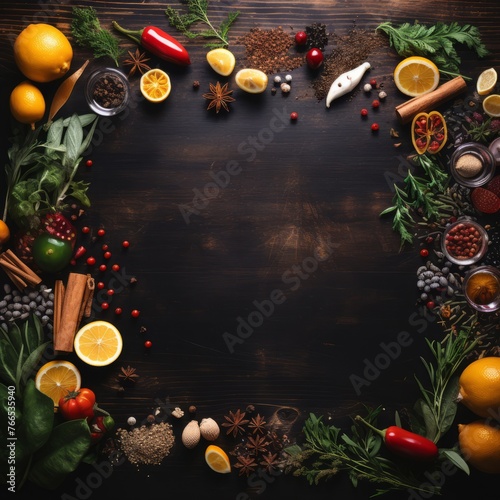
27	104
480	387
480	445
42	52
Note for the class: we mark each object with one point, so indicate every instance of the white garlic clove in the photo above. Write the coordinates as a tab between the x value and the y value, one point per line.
209	429
191	434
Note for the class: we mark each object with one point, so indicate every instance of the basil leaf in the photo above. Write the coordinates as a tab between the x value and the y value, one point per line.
38	418
68	444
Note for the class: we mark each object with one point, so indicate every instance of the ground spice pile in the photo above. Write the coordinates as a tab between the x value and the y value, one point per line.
268	50
349	51
146	445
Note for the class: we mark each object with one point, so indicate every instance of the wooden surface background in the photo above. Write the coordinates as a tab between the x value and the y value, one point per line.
301	217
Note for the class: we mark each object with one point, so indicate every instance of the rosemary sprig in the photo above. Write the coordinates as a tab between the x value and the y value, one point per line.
198	12
434	412
328	451
436	42
87	32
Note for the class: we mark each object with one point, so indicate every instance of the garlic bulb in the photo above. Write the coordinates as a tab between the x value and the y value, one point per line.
191	434
209	429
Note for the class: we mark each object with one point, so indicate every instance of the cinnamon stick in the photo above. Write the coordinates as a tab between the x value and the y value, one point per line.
19	283
58	304
11	262
427	102
88	295
70	315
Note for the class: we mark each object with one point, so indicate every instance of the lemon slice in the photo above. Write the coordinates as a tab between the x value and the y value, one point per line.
486	81
222	61
491	105
250	80
98	343
155	85
217	459
416	76
56	378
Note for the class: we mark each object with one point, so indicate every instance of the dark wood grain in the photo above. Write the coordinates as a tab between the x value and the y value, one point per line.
310	197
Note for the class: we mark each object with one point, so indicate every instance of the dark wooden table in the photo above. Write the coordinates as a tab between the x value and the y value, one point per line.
300	218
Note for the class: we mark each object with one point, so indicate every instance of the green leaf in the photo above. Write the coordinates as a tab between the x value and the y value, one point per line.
55	134
32	361
32	333
73	140
457	460
8	361
61	455
88	139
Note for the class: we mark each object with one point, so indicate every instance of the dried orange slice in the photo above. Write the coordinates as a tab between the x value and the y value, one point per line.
251	80
217	459
222	61
155	85
486	81
491	105
98	343
56	378
416	76
429	132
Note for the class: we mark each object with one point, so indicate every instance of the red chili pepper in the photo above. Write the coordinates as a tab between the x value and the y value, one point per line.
99	426
80	252
159	43
405	443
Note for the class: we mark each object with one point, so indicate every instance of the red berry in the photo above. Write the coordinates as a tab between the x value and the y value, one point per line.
301	38
105	247
424	252
104	306
375	127
115	267
125	244
314	58
85	229
135	313
107	255
89	163
72	262
110	292
148	344
118	310
102	268
91	261
375	103
100	285
373	82
364	112
101	232
430	305
294	115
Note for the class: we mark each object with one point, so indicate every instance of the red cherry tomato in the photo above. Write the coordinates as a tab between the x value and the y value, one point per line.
148	344
314	58
135	313
77	404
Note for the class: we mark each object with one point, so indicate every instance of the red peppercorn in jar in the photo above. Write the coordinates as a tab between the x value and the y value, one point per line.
465	242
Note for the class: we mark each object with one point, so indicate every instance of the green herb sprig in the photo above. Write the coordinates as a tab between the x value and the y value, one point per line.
436	42
328	451
87	32
198	12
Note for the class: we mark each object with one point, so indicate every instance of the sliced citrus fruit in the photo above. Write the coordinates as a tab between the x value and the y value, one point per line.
491	105
416	76
222	61
486	81
155	85
56	378
98	343
217	459
251	80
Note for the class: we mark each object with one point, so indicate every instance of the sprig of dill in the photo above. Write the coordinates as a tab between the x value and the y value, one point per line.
436	42
198	12
87	32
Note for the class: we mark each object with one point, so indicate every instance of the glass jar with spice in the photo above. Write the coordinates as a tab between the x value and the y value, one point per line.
472	164
481	288
107	91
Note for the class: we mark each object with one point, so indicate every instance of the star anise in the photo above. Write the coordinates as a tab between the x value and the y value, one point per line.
128	374
270	462
137	61
219	96
257	444
247	465
235	422
257	424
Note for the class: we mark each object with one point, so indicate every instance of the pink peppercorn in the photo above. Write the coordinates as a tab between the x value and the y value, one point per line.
294	115
364	112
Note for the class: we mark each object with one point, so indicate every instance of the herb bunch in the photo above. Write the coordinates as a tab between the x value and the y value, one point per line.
328	451
419	194
42	167
87	32
198	12
436	42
